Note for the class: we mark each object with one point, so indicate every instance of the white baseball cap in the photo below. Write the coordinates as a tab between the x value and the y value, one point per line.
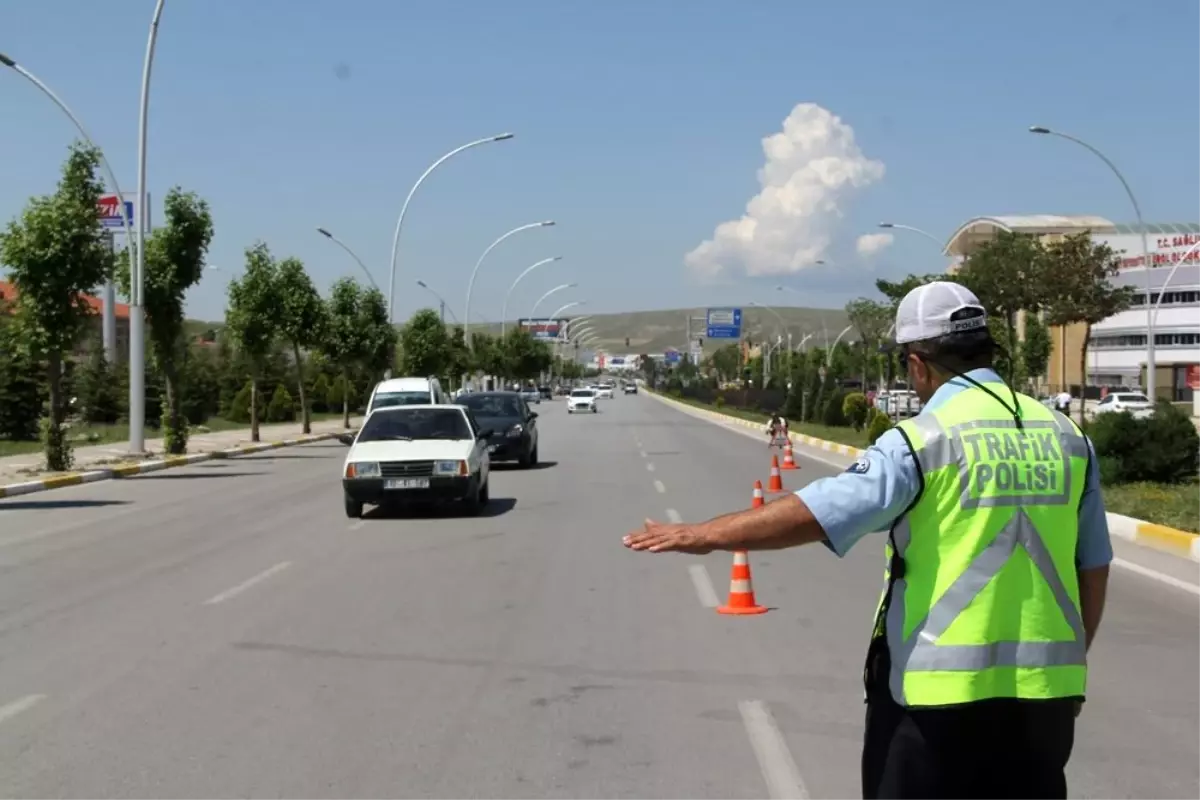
933	310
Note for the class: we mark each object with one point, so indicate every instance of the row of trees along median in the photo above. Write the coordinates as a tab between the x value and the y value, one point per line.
280	335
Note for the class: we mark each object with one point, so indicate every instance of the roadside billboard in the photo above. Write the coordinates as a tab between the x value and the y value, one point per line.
110	212
546	330
1166	249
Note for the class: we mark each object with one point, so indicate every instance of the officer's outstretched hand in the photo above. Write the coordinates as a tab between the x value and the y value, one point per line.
674	537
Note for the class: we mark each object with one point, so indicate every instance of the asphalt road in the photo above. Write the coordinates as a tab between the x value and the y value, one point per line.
223	630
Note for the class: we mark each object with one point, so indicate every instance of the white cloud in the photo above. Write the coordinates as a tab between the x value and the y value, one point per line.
813	167
870	244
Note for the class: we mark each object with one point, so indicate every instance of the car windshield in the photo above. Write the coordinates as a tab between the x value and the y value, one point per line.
493	405
1132	398
582	393
390	399
413	424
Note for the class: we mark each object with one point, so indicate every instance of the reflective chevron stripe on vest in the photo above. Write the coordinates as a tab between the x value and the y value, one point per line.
985	600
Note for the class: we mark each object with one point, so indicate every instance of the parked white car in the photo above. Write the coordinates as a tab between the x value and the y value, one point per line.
417	453
1135	403
582	400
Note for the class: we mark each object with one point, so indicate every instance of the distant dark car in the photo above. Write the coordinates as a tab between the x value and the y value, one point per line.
545	392
514	427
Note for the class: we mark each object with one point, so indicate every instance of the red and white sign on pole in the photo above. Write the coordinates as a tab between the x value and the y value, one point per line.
110	212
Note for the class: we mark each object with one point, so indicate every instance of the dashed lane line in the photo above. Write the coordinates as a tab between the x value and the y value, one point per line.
659	487
27	702
243	586
704	586
783	778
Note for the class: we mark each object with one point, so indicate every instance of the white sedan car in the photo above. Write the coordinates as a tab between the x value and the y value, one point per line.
582	400
417	453
1135	403
605	391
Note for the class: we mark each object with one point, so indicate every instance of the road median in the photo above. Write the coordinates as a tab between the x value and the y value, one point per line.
154	465
1146	534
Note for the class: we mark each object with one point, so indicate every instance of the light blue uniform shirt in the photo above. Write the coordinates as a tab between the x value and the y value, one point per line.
855	503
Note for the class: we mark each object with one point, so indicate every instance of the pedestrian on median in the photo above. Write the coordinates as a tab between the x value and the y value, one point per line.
996	567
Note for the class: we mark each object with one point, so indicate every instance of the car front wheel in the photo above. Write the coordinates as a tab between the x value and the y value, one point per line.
354	509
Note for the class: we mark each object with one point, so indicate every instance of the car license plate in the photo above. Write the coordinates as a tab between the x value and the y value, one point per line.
406	483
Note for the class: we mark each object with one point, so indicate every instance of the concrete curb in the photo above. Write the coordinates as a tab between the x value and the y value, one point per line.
129	470
1147	534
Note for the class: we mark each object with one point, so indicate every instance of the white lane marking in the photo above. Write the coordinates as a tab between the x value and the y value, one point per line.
649	467
674	516
17	706
1154	574
704	586
774	759
642	453
658	487
241	587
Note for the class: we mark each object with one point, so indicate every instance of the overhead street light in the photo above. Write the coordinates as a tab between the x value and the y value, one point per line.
1151	377
108	325
471	284
559	288
529	269
325	232
926	234
568	305
829	350
441	300
404	209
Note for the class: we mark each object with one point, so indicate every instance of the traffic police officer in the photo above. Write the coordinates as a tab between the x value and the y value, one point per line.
997	561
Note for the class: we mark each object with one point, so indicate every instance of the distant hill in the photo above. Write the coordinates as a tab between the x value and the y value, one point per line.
653	332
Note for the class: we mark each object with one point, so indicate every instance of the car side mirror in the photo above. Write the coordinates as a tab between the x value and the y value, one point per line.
484	433
533	415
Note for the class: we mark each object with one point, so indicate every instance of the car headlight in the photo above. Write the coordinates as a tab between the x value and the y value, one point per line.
515	431
362	469
448	467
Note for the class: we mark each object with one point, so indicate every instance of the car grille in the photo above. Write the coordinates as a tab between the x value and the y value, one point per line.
406	469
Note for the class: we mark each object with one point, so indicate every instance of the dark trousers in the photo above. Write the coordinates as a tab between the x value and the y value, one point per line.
991	749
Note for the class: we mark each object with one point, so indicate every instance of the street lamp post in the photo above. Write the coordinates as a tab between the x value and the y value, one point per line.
829	350
559	288
529	269
1151	378
490	247
926	234
441	301
568	305
137	315
404	209
325	232
109	319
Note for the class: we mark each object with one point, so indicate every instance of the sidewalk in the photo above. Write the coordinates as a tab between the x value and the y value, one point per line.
30	466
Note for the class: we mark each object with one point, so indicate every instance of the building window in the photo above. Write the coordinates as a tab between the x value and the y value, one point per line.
1180	298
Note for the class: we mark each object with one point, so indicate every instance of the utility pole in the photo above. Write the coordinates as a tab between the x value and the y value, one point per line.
442	304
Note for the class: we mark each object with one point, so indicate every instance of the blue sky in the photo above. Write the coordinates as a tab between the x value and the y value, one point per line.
639	129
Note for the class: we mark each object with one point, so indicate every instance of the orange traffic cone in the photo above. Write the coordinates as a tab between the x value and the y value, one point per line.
788	461
758	495
741	588
775	483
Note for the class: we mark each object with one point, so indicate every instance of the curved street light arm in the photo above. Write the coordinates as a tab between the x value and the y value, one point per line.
529	269
404	209
829	350
1151	377
559	288
353	255
564	308
490	247
1170	275
941	245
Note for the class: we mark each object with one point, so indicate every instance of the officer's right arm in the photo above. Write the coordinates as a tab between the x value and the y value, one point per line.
868	497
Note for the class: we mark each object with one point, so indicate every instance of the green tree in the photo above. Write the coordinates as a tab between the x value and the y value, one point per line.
98	389
1035	349
894	291
1077	279
301	323
345	343
175	256
56	253
381	336
281	408
424	344
1007	274
486	355
253	319
726	361
524	356
871	320
21	391
458	357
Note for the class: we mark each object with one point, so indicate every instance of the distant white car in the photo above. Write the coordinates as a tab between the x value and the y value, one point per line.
1135	403
581	400
417	453
604	390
